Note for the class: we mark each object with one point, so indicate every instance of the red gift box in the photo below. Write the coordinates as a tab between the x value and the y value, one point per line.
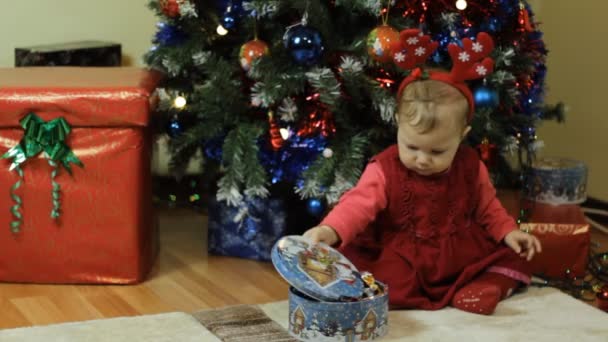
565	249
106	231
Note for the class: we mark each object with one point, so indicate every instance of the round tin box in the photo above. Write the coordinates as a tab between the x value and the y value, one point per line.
557	181
326	297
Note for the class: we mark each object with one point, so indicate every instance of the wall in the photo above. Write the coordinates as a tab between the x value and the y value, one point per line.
575	34
35	22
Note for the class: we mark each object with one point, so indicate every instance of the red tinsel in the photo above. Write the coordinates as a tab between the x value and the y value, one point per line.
384	77
319	120
276	140
524	19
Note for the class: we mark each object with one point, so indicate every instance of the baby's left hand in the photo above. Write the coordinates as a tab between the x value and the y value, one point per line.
524	244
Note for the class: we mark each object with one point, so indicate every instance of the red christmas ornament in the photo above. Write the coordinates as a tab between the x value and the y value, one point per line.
251	51
170	7
524	19
276	140
487	152
382	43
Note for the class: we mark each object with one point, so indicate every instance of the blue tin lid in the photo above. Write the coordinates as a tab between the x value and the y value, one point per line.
317	270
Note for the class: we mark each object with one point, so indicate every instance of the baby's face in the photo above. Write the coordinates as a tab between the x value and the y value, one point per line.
433	151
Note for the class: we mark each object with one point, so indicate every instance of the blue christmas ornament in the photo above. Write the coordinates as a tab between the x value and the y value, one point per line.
304	44
315	207
230	12
169	35
174	128
228	21
213	147
486	97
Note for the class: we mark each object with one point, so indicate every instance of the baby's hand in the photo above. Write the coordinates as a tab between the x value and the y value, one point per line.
325	234
524	244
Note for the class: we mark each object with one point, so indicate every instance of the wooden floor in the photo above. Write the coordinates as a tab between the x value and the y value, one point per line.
184	279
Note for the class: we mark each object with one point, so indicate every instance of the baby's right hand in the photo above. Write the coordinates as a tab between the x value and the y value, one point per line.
325	234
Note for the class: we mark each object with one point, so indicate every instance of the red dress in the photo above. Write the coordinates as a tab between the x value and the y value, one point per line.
427	235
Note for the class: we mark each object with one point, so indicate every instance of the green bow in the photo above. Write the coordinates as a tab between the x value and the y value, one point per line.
41	136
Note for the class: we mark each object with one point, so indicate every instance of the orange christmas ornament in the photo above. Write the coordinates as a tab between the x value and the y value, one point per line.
251	51
382	43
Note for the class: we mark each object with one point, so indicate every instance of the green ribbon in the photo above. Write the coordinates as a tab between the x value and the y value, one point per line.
41	136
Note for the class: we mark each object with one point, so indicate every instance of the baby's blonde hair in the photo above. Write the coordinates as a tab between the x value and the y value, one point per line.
418	104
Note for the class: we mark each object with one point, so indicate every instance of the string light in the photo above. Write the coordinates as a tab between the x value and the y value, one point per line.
284	133
461	4
221	30
180	102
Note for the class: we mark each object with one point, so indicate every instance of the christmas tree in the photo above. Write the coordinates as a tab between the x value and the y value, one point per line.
302	92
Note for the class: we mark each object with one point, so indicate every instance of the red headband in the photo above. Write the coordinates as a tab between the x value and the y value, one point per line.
470	62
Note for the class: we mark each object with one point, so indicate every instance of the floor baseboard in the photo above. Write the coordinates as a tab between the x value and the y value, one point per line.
594	203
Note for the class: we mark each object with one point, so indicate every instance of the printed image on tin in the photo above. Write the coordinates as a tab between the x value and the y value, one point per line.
310	320
317	269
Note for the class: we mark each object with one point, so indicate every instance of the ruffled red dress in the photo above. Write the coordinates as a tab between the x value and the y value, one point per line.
430	237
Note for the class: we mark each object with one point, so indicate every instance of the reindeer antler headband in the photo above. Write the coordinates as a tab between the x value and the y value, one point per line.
470	61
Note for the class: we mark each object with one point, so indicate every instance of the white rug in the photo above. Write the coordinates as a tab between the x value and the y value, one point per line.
535	316
168	327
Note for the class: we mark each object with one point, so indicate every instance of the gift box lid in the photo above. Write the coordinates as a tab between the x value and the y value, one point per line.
85	97
317	270
555	163
69	46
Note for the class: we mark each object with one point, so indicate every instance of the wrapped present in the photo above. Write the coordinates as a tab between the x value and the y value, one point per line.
557	181
565	249
80	53
75	175
329	299
248	231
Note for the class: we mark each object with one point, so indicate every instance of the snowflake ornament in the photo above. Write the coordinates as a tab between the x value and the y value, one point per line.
464	56
399	57
477	47
412	41
481	70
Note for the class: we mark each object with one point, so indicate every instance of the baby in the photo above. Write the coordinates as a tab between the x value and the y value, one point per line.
424	217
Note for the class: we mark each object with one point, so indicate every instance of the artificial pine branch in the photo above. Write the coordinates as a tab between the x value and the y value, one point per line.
316	177
324	81
242	171
371	7
555	112
353	158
